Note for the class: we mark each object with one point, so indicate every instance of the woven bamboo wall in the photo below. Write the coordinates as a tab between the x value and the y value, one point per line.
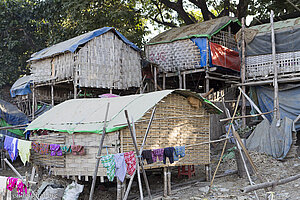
261	67
107	62
47	160
175	124
104	62
71	165
182	54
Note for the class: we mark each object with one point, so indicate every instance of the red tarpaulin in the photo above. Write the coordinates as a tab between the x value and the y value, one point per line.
225	57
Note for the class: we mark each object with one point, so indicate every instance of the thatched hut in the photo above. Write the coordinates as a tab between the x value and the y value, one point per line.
94	63
182	52
181	118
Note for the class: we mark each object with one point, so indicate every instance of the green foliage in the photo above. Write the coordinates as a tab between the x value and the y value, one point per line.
27	26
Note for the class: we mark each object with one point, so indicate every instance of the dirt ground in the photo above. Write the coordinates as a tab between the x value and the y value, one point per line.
227	187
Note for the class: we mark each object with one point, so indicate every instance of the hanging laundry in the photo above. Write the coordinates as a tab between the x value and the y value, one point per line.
169	152
11	145
21	188
130	161
55	150
179	151
3	183
44	148
157	153
35	146
78	150
11	183
24	150
66	149
109	163
120	166
147	155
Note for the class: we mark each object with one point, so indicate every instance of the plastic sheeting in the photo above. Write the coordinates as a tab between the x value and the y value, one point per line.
224	57
289	97
12	116
272	140
88	115
21	86
287	40
72	44
202	46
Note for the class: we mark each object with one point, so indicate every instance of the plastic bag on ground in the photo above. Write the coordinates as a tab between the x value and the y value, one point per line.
73	191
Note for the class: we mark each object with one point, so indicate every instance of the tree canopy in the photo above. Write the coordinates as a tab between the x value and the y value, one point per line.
27	26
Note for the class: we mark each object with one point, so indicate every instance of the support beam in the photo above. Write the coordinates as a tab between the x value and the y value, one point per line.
276	99
270	184
52	94
164	81
252	103
33	100
155	77
98	155
243	72
184	81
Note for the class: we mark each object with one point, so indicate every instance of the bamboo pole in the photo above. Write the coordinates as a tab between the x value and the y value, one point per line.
140	163
242	117
52	94
155	77
206	68
164	81
224	147
98	155
252	103
169	181
184	80
165	182
33	100
276	99
144	141
243	72
240	151
270	184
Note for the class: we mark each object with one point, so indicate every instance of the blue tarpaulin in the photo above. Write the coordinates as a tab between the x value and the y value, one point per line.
202	46
72	44
21	86
289	98
12	116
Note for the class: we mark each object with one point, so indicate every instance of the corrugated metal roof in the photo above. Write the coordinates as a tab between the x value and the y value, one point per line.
201	29
88	115
290	23
72	44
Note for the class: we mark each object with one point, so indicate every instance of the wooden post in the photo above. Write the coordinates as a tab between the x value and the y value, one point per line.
98	155
243	72
184	80
33	100
155	78
276	100
179	79
119	191
207	67
52	94
75	82
169	181
164	80
165	182
129	186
